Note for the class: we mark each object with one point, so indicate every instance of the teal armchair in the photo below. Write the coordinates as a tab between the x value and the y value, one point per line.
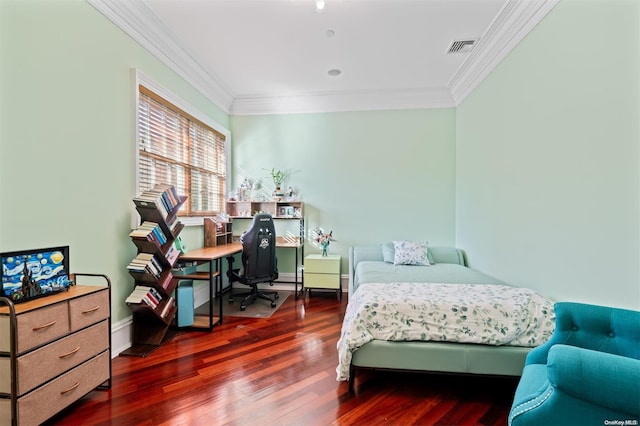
588	373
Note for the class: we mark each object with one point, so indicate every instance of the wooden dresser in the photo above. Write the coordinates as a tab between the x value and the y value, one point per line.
53	351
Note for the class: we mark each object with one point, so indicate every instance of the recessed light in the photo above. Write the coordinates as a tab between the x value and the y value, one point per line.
334	72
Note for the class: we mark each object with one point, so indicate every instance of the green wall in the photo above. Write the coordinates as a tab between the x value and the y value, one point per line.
67	134
548	158
371	177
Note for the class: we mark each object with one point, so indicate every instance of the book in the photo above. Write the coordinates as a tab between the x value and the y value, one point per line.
162	197
149	301
167	281
167	307
150	231
144	294
172	255
137	294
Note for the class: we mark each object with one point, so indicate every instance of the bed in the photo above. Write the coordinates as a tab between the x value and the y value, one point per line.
432	313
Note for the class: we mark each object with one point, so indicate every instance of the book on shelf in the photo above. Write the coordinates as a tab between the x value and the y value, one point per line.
145	294
150	231
148	300
172	254
167	281
150	202
175	226
167	307
167	195
145	262
162	197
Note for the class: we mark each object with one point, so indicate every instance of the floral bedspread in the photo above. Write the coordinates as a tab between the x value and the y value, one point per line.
467	313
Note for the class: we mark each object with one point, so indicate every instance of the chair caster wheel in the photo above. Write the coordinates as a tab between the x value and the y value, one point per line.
276	296
273	304
242	308
230	301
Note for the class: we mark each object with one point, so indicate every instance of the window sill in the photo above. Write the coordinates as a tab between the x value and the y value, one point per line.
191	220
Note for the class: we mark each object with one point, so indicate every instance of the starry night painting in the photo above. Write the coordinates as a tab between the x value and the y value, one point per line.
33	273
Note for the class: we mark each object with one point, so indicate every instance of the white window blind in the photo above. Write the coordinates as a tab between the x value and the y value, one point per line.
176	148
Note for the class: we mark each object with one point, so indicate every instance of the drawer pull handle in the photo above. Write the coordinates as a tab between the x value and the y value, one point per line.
71	352
40	327
70	389
88	311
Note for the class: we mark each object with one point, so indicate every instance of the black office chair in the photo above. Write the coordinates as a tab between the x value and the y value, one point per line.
259	262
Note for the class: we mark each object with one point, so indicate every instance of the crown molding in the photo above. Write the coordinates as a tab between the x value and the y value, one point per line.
344	101
136	20
512	24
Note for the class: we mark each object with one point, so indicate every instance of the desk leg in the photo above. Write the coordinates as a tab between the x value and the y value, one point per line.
296	274
219	278
211	293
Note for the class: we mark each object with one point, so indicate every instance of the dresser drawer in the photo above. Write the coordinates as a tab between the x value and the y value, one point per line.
44	402
322	281
89	309
42	325
318	264
51	360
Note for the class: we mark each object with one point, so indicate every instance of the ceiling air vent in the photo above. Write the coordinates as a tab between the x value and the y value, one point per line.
461	46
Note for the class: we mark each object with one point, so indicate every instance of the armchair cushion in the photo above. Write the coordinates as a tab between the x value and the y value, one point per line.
599	378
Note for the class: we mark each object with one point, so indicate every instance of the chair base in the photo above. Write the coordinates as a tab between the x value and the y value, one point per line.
252	296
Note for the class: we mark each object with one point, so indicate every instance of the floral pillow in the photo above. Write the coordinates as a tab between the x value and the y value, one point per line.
410	253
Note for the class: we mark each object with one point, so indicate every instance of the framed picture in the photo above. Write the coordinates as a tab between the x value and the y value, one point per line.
285	211
28	274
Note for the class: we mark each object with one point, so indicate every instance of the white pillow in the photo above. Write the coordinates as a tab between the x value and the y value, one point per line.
410	253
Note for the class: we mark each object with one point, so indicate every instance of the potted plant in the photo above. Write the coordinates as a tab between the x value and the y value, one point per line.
278	177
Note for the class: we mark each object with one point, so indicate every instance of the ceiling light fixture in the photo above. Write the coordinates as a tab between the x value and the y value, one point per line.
319	6
334	72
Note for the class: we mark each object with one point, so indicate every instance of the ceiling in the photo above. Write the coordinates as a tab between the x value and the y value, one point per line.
274	56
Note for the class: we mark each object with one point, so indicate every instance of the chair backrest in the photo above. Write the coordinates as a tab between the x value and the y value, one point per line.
600	328
259	250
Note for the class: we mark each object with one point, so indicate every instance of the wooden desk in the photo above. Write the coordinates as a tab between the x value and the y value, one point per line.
213	256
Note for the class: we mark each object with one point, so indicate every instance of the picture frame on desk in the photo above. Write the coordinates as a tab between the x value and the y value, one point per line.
285	211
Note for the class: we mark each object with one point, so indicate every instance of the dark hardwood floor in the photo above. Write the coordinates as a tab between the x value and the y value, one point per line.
280	371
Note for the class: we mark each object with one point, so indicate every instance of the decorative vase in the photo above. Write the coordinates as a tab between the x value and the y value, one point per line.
325	248
278	194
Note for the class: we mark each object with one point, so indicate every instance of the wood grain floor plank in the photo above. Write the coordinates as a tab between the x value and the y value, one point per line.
280	371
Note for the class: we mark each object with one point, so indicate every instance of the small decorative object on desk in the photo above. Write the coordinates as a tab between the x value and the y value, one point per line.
324	239
278	177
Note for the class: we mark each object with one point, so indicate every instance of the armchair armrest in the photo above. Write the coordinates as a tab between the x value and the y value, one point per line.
600	328
600	378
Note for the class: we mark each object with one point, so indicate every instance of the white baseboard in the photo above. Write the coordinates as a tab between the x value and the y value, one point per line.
121	332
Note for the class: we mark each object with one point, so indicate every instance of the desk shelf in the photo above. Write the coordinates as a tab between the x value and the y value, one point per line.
200	276
288	218
213	257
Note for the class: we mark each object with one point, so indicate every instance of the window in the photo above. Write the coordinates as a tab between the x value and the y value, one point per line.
176	148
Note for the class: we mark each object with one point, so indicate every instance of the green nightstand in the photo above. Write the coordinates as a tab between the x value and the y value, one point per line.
323	272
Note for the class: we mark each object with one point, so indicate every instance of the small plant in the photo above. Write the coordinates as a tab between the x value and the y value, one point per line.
278	176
